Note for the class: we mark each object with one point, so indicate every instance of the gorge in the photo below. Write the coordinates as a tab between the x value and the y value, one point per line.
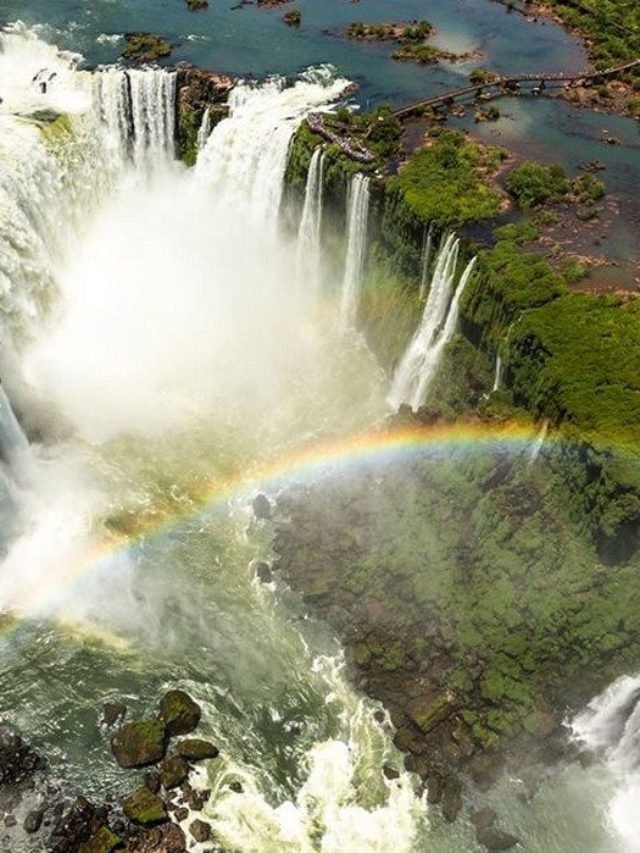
332	446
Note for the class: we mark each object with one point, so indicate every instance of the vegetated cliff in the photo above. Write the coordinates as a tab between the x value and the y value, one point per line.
198	90
480	594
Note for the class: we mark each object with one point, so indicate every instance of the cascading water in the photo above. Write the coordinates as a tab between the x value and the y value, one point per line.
309	234
357	223
427	252
204	130
497	379
610	725
536	447
420	362
170	364
246	156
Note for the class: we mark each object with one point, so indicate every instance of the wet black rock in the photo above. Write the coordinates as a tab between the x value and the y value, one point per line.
200	830
18	762
261	506
451	798
236	786
173	771
104	841
33	821
113	713
263	572
153	781
495	839
181	814
140	743
195	749
144	807
79	823
390	772
10	820
179	712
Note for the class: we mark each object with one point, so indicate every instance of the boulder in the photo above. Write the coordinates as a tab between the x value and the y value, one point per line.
261	506
263	572
140	743
451	798
153	781
145	808
495	839
79	823
168	838
179	712
104	841
113	713
18	762
173	771
200	830
195	749
33	821
430	710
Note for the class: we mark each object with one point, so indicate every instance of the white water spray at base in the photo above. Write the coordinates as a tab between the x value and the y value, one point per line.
357	222
611	724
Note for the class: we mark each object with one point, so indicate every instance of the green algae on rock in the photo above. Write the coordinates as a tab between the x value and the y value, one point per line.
145	47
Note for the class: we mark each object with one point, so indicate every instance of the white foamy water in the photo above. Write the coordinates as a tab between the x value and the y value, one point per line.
357	216
419	365
309	250
170	350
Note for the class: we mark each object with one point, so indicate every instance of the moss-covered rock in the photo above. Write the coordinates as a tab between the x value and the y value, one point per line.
174	770
179	713
140	743
145	47
144	808
195	749
104	841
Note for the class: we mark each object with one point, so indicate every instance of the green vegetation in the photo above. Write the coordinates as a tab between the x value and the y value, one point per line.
533	184
481	75
612	27
195	5
423	54
446	182
403	33
292	18
144	47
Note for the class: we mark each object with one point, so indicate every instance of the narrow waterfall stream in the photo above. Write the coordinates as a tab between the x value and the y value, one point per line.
419	364
309	251
357	221
156	349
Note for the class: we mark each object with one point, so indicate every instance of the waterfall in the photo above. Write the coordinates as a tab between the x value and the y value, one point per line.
611	724
426	260
51	141
497	379
245	157
537	445
204	130
420	362
137	107
309	249
357	221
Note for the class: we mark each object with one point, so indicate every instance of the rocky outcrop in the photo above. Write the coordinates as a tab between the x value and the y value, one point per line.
198	91
140	743
179	713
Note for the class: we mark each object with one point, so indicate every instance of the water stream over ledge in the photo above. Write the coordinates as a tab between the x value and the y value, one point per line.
160	397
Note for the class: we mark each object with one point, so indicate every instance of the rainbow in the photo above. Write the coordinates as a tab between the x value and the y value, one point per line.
330	457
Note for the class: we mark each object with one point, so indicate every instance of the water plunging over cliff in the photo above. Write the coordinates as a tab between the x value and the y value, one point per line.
309	234
611	724
419	364
357	223
168	355
427	252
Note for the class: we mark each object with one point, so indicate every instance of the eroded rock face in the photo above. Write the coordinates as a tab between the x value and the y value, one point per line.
179	712
198	91
140	743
